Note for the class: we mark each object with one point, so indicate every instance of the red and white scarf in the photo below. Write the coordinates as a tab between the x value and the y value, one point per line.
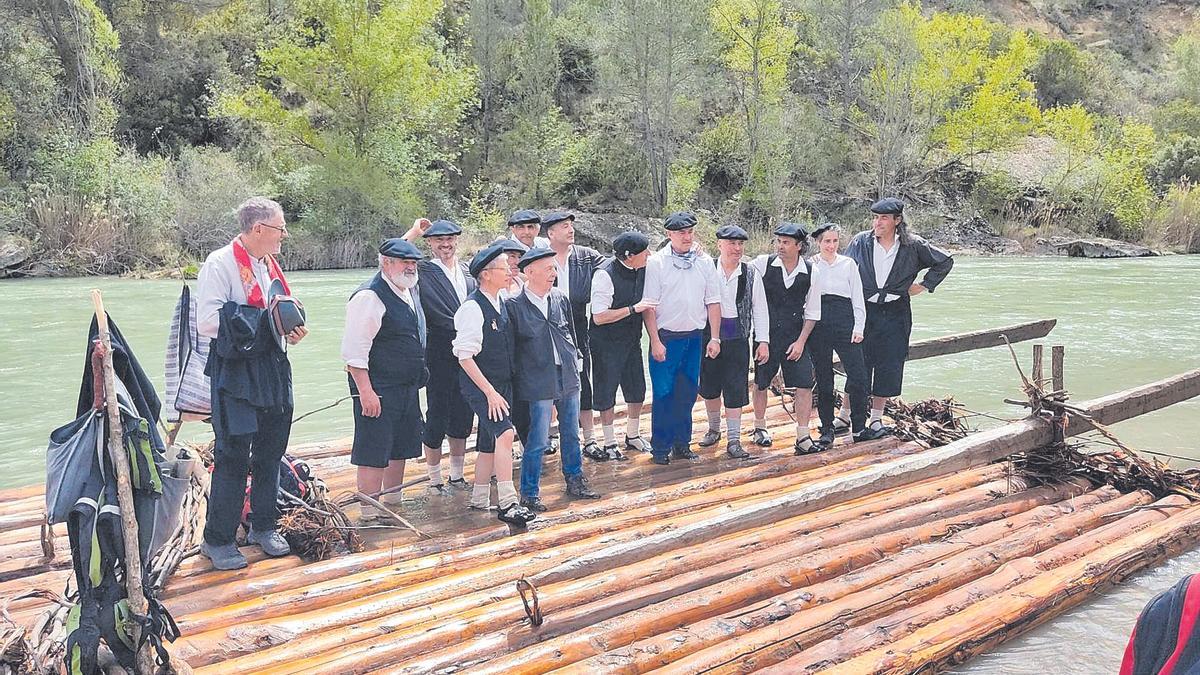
255	294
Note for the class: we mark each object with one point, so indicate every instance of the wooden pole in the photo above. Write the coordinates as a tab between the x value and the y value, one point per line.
1056	368
1038	373
129	526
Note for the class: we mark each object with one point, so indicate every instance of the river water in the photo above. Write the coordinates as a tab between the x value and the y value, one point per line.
1124	322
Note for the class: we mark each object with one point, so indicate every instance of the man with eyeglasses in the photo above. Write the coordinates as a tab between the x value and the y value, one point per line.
251	382
683	295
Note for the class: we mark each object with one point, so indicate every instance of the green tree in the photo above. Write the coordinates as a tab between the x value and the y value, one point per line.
538	133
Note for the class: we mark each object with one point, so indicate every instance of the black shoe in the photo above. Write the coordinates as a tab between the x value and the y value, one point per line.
761	437
553	447
871	433
459	484
577	487
840	427
534	504
826	440
684	452
807	448
710	438
515	514
734	449
661	459
593	451
614	452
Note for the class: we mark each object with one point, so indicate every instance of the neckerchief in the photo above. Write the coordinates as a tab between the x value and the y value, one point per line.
254	292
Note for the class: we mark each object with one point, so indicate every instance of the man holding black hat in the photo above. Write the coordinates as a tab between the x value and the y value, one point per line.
795	308
445	285
544	344
384	351
743	309
576	265
683	295
616	337
523	228
483	344
251	382
889	258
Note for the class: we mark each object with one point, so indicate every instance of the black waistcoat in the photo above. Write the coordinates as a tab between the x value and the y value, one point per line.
397	356
439	301
495	357
786	305
628	286
537	339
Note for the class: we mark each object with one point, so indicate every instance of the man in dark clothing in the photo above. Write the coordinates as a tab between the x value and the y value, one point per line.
889	258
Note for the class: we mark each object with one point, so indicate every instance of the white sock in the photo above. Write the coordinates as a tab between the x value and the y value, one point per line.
587	435
506	494
435	473
844	414
456	466
876	416
633	427
760	423
714	420
805	441
802	432
481	495
610	435
390	499
733	423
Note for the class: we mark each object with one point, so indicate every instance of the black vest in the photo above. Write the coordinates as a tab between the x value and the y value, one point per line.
439	302
495	357
786	305
628	286
397	356
743	299
537	339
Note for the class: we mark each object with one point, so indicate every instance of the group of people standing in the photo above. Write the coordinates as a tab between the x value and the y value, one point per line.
535	327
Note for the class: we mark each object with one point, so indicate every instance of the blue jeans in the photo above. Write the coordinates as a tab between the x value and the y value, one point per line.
539	441
675	380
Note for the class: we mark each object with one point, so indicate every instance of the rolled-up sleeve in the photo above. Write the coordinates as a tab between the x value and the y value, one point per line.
761	315
812	302
468	327
712	283
652	288
213	290
602	292
364	316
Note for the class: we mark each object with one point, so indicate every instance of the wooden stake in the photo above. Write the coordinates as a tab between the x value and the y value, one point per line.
1056	368
129	526
1038	373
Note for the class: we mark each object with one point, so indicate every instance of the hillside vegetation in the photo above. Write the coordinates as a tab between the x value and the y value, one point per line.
130	129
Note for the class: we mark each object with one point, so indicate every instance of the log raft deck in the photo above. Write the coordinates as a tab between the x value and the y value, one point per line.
872	557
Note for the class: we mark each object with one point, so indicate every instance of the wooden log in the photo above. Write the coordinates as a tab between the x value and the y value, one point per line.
353	576
452	621
960	636
1057	382
768	636
230	630
981	339
590	638
1038	372
849	643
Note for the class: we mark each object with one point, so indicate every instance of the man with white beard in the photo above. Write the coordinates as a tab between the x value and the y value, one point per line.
384	351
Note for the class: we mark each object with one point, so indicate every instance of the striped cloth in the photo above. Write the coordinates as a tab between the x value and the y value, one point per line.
188	389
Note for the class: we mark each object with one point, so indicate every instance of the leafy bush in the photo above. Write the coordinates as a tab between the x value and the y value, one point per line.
208	185
1176	223
1176	162
1179	117
721	153
1063	74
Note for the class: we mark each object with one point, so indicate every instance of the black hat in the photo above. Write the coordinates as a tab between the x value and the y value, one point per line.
732	232
888	206
555	217
484	258
793	230
510	245
630	243
535	253
285	313
680	220
823	228
398	248
442	228
524	217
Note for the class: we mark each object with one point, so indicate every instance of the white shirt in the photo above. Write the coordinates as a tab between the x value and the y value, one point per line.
758	302
840	278
563	281
537	241
602	290
680	297
220	281
812	302
364	316
468	327
455	274
884	261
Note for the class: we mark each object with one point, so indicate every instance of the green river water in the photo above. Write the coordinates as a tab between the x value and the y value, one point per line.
1124	322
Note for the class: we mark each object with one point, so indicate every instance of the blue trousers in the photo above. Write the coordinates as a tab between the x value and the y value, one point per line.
539	441
675	381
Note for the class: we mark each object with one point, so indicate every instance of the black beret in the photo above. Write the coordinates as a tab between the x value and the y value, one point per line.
398	248
535	253
630	243
484	258
732	232
524	217
554	217
442	228
793	230
680	220
509	245
823	228
888	206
